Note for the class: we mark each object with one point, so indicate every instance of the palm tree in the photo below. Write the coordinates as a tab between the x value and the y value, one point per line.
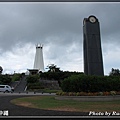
53	68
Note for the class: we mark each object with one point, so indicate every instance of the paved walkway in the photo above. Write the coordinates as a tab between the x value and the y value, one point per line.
20	111
21	86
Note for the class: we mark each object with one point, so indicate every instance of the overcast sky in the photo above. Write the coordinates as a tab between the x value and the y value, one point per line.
59	27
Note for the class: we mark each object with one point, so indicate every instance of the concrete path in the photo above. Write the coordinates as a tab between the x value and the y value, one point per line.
21	86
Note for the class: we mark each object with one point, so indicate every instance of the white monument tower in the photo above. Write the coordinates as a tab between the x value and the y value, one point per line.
39	63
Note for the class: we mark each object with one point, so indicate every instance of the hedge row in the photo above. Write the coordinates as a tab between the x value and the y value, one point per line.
57	75
78	83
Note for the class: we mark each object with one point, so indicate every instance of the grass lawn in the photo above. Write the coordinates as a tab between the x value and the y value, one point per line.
50	103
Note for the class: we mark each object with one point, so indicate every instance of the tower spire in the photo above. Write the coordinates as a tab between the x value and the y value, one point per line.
38	62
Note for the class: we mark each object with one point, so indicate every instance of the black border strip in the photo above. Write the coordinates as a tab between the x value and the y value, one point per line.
59	0
61	117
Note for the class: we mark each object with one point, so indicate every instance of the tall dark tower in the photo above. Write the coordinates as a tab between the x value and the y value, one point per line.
93	62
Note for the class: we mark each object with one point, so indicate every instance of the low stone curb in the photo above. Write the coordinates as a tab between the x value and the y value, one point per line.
88	98
25	93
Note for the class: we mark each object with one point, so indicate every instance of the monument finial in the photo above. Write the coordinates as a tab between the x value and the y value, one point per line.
39	45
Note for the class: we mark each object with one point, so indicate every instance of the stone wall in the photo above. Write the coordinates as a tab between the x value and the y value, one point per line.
51	84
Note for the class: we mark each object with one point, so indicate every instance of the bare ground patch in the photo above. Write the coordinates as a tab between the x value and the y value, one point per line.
25	104
70	109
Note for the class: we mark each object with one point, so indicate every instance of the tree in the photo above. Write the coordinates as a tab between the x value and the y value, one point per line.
32	79
53	68
1	69
114	72
16	77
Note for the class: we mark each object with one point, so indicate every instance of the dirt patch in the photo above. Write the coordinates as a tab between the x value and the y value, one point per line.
26	104
70	109
88	108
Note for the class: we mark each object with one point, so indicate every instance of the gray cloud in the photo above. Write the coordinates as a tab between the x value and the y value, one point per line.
59	27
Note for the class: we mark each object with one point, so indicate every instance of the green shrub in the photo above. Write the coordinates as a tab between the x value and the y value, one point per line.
84	83
78	94
59	93
5	79
113	92
33	79
71	94
63	93
16	77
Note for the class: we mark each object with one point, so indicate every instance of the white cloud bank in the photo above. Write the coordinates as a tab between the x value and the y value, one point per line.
18	59
21	57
